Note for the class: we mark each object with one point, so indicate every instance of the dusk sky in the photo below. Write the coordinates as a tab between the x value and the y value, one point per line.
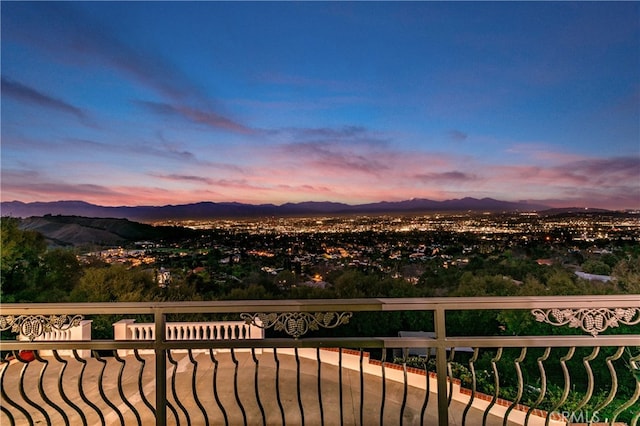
145	103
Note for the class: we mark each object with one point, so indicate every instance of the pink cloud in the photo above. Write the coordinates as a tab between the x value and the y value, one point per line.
353	161
333	160
298	81
351	171
458	136
49	191
183	178
30	95
102	195
446	177
199	116
590	172
542	152
74	37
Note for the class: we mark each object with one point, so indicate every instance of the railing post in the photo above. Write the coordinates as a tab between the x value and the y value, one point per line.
161	368
441	367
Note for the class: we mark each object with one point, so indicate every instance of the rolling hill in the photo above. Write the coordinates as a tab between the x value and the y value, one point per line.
78	231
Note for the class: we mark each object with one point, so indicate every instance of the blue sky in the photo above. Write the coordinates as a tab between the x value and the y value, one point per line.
131	103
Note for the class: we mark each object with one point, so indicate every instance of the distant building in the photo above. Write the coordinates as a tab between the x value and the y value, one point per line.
163	277
594	277
315	284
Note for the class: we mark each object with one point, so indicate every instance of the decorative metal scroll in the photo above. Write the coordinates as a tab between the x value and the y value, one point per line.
591	320
33	326
297	324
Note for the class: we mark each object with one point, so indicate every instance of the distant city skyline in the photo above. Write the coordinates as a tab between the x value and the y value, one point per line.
157	103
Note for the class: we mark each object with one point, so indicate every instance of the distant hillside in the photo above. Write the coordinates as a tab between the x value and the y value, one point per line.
77	231
206	210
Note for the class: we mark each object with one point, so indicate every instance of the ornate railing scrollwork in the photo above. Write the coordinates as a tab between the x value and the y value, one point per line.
591	320
34	326
297	324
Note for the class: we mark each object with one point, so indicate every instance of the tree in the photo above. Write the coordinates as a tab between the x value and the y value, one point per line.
350	285
597	267
285	280
253	292
115	283
560	282
532	286
485	285
60	273
627	274
21	260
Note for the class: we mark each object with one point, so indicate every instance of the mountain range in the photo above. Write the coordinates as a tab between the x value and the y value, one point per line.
210	210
